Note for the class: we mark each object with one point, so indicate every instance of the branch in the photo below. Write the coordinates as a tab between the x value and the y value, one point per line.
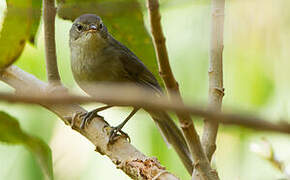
215	73
23	82
49	12
202	164
142	98
122	153
160	47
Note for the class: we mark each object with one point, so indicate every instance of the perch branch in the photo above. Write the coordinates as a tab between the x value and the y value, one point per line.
202	164
126	157
49	12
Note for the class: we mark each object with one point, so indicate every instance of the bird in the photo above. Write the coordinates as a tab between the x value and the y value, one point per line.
98	58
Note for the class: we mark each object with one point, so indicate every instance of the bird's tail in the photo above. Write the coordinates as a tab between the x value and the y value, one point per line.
173	136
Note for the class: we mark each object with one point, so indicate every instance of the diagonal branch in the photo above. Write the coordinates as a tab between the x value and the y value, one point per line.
126	157
201	162
215	74
49	12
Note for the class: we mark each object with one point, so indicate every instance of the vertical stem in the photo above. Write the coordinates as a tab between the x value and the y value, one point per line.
215	73
49	12
160	48
201	162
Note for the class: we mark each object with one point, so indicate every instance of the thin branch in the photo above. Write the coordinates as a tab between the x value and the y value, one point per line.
160	47
49	12
141	98
215	73
201	162
122	153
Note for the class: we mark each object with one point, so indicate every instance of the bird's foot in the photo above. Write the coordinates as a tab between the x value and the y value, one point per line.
88	116
114	133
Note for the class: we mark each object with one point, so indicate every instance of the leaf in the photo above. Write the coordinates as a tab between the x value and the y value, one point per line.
19	25
43	154
11	133
124	20
10	129
36	10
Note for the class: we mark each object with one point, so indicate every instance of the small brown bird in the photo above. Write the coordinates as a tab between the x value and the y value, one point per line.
96	57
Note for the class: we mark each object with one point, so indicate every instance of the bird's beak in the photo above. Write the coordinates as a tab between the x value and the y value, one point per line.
92	28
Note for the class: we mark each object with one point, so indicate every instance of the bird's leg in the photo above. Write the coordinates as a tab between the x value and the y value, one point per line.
92	114
118	128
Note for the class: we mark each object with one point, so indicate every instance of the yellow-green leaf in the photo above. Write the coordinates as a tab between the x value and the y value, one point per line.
19	25
11	133
10	130
36	10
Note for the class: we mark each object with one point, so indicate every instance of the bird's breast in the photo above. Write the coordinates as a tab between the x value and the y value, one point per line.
95	67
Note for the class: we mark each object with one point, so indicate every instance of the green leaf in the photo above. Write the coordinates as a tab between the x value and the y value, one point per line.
124	20
43	154
19	25
10	129
11	133
36	15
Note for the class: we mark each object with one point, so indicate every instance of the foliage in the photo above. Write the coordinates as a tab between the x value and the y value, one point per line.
11	133
20	24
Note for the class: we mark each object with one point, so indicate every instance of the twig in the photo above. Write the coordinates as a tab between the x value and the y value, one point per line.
49	12
122	153
160	47
201	162
215	73
143	98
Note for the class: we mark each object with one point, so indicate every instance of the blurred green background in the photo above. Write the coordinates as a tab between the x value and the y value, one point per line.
256	81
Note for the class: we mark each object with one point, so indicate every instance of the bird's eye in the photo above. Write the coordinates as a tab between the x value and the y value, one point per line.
100	26
79	27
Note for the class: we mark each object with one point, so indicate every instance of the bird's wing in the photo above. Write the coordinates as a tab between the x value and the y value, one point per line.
136	70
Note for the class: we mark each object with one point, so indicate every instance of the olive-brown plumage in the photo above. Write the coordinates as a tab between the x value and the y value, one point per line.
96	57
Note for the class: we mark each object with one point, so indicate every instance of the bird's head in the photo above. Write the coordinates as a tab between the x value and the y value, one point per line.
88	28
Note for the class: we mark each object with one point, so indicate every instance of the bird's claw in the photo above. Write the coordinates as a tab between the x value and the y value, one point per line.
87	117
114	134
